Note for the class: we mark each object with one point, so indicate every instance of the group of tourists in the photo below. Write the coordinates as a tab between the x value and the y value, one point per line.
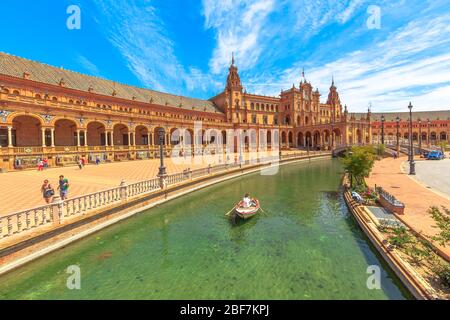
48	192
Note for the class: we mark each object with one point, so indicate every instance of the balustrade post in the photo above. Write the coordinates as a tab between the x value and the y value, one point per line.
123	191
57	206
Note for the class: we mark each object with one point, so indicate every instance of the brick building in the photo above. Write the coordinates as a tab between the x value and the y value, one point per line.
61	115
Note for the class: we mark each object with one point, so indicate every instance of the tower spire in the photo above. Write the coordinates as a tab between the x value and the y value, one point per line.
232	58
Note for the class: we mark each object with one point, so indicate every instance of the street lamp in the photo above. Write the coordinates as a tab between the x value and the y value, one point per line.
412	165
420	137
162	169
398	138
382	129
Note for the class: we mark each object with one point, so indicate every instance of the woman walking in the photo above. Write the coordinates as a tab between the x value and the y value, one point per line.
47	191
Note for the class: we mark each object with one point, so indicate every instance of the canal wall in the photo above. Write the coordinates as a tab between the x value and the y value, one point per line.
21	249
411	279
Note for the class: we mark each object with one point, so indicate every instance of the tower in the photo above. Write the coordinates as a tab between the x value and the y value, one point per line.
233	92
334	101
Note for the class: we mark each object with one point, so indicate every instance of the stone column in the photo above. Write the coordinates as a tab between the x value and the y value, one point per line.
78	138
43	137
10	145
85	138
149	142
112	138
134	138
106	138
52	134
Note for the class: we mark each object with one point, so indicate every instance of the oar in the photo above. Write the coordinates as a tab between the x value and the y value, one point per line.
228	213
264	211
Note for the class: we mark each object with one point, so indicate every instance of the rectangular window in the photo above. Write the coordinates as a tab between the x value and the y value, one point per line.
254	118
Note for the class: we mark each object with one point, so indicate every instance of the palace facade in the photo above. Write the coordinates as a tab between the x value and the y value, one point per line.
53	113
428	127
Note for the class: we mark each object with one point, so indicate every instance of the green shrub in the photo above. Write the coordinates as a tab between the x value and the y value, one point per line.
442	222
443	273
400	238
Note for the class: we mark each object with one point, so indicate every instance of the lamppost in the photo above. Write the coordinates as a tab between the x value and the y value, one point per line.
382	129
398	137
412	165
162	169
420	137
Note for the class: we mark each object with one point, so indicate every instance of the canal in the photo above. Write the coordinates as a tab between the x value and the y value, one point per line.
305	245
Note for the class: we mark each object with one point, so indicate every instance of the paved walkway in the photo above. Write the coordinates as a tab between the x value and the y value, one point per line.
20	190
388	174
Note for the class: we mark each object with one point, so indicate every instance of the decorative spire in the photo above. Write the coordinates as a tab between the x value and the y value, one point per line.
232	58
332	80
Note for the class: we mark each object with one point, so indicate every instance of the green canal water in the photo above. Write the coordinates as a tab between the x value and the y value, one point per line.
305	246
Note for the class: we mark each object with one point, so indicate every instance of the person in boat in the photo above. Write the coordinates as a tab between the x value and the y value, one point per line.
247	201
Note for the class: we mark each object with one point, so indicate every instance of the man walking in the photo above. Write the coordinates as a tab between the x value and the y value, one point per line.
63	187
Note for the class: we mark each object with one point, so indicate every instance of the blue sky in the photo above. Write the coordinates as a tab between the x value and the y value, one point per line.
184	47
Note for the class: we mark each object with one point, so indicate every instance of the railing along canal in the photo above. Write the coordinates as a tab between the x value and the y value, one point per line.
57	211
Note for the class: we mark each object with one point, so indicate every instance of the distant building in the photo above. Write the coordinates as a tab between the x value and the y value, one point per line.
428	127
62	115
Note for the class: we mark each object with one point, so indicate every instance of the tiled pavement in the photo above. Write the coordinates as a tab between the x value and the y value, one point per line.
416	197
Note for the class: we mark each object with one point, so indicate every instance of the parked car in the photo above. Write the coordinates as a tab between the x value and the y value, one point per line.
435	155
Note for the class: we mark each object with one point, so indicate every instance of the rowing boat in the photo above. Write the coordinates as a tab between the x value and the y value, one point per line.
247	212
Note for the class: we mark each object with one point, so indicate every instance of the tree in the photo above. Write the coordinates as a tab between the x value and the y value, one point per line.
358	163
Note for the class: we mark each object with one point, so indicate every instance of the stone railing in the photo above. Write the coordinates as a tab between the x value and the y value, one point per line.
59	210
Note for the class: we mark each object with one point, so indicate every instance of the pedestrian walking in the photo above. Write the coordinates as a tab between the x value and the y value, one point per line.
63	187
80	164
40	165
97	160
47	191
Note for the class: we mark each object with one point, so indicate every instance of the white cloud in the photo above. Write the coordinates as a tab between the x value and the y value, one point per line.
88	65
135	28
413	63
238	26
